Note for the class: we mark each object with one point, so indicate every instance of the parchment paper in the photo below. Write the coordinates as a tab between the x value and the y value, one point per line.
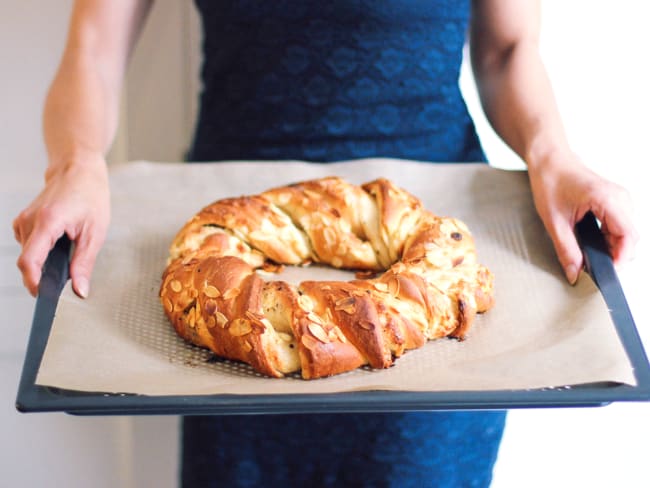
542	332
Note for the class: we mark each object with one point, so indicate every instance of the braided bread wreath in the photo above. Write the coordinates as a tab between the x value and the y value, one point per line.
431	285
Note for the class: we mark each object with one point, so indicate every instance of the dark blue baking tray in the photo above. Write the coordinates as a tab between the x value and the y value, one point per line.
35	398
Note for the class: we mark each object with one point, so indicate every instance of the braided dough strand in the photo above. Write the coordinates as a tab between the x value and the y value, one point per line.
431	287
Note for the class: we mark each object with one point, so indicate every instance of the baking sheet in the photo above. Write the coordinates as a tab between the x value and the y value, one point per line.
496	206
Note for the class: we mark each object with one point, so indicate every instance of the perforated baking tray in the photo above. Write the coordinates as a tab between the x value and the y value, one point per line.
35	398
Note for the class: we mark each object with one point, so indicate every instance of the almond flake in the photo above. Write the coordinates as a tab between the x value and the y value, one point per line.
339	333
309	342
366	324
305	303
191	318
346	305
231	293
169	306
381	286
312	194
285	337
393	286
239	327
318	332
222	320
330	236
211	291
315	318
257	235
176	286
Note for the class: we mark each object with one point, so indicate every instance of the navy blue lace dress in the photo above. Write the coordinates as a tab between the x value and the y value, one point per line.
327	81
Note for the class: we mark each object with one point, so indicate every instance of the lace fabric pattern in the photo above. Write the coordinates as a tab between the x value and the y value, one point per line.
326	81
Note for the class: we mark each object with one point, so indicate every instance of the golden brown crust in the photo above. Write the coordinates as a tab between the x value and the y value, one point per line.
432	286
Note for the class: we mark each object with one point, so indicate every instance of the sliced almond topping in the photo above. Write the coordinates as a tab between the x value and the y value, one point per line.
239	327
176	286
246	346
169	306
309	342
211	291
315	318
222	320
191	318
346	305
283	198
285	337
381	286
252	315
304	222
312	194
330	236
339	334
366	324
305	303
231	293
267	323
328	315
211	322
393	286
257	235
272	267
318	332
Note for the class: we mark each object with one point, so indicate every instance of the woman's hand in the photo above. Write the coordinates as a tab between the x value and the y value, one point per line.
75	201
564	190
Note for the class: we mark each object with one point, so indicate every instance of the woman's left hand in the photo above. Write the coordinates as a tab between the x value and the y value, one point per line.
564	190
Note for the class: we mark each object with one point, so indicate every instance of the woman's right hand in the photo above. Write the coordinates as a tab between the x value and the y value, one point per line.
75	201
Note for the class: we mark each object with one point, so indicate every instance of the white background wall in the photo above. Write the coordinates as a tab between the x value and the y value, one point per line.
596	53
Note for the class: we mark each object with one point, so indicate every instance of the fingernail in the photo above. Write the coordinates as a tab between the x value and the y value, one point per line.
82	287
571	273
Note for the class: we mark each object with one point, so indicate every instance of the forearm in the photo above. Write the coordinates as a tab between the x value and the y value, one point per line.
519	103
80	114
82	106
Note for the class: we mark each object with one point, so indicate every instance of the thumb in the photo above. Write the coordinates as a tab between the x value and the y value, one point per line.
566	247
82	264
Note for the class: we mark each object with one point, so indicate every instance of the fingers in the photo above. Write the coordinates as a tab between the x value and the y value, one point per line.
47	229
83	261
36	247
618	229
566	247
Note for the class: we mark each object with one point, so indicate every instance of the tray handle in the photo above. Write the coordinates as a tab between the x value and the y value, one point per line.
600	266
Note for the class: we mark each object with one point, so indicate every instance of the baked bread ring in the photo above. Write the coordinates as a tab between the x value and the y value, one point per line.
423	279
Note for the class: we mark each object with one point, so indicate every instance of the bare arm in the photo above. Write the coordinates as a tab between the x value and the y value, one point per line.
81	110
519	103
79	123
